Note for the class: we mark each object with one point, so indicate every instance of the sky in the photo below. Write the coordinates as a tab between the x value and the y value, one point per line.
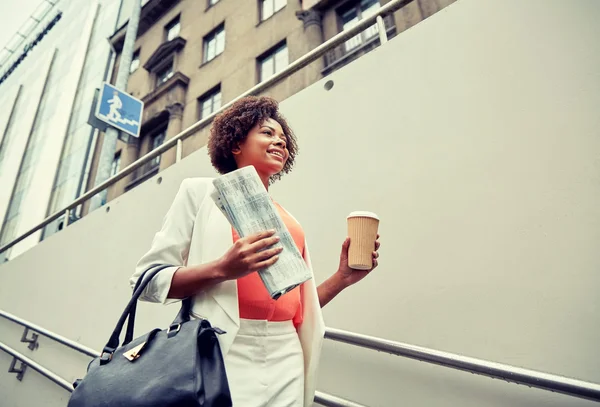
13	14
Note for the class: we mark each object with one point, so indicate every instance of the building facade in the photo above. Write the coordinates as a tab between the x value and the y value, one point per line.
48	74
191	57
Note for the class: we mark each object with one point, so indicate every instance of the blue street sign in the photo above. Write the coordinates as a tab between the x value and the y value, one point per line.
120	110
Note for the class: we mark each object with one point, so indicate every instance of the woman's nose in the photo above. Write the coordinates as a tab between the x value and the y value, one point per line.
280	143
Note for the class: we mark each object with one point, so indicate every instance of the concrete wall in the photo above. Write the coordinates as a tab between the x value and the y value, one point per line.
485	175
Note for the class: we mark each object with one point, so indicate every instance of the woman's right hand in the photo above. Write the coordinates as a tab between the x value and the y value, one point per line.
249	254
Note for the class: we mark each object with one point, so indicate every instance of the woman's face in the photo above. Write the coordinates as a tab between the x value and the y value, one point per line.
265	148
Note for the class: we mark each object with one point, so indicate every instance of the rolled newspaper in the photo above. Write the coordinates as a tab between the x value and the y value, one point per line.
243	199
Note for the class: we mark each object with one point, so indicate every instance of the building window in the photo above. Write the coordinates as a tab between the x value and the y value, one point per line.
214	43
116	164
210	102
172	29
155	142
135	62
351	16
270	7
212	2
273	62
164	74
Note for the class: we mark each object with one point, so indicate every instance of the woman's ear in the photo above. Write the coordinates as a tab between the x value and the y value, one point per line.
236	150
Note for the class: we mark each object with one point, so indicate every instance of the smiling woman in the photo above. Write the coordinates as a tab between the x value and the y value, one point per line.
271	348
255	119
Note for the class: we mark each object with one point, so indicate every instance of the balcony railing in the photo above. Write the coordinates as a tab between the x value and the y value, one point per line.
358	45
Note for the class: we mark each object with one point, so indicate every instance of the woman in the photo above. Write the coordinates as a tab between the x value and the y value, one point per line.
271	348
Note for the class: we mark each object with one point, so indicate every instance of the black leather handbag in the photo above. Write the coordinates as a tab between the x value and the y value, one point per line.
180	366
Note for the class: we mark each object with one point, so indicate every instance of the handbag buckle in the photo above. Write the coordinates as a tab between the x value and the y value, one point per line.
105	357
173	330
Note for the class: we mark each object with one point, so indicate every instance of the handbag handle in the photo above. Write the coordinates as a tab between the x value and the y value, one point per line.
183	315
130	309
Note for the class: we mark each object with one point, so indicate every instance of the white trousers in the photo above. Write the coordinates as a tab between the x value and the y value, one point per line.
265	365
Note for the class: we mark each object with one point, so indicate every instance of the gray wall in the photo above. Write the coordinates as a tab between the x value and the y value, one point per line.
474	136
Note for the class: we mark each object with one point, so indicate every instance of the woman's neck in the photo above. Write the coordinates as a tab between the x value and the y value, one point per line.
265	182
263	177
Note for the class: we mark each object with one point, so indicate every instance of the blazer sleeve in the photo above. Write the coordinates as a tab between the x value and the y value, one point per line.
170	246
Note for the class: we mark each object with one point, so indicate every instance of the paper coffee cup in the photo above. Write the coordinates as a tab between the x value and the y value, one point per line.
362	230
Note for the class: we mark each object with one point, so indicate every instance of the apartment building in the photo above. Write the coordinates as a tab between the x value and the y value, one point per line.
191	57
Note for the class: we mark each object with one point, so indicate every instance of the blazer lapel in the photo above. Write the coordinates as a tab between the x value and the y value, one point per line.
217	240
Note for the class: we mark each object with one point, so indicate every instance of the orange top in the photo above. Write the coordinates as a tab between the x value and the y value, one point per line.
254	299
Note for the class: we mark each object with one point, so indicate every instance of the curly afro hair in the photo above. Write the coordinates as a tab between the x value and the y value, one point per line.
231	128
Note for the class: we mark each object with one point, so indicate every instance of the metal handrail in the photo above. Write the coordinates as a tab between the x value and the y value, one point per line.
531	378
37	367
320	397
328	400
49	334
168	144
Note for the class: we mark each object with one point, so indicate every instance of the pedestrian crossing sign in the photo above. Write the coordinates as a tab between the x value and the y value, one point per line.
120	110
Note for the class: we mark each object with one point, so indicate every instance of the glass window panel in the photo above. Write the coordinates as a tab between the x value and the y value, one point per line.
70	190
173	30
13	44
210	103
206	109
217	101
164	75
220	41
267	9
368	9
28	27
279	4
41	10
63	172
60	195
210	49
116	164
4	55
15	204
214	44
266	68
135	62
281	59
157	140
8	231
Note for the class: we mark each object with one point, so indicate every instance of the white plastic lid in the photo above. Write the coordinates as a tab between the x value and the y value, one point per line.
363	214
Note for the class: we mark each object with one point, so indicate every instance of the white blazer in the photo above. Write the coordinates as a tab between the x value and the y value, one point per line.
194	231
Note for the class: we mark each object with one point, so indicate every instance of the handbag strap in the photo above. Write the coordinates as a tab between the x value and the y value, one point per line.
131	318
130	309
182	316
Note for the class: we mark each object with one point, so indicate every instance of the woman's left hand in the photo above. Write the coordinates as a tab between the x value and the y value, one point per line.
349	276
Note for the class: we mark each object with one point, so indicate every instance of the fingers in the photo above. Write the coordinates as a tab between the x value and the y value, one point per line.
375	255
267	254
345	246
263	243
266	263
260	236
377	245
